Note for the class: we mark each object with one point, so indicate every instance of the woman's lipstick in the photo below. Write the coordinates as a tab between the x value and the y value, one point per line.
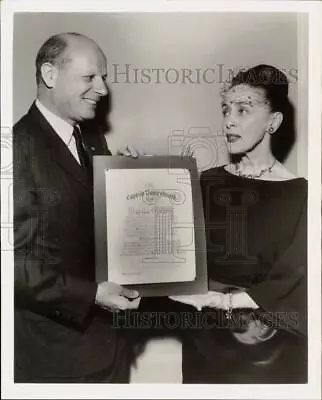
232	138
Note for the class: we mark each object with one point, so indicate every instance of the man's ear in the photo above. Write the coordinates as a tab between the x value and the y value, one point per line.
49	74
275	122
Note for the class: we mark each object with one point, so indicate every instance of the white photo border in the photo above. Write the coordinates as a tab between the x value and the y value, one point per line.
308	391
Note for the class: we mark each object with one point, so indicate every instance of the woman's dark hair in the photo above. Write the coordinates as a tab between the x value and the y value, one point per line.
275	85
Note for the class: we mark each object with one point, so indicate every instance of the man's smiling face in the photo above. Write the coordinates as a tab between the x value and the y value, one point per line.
80	82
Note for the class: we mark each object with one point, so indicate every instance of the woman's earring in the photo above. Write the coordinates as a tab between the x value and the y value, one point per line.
270	130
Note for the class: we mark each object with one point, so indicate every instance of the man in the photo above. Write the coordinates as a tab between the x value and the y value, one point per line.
63	329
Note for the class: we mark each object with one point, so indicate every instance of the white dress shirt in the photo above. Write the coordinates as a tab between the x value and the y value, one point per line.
63	129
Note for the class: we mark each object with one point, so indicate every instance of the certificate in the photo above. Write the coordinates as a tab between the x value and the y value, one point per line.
149	230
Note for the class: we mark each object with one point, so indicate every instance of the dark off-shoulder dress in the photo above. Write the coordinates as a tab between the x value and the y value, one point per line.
256	233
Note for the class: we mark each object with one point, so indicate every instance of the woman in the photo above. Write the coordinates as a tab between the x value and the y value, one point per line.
254	325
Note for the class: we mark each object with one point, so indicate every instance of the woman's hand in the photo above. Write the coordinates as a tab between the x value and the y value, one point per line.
243	300
213	299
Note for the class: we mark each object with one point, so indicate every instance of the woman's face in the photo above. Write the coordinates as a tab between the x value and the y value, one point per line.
246	117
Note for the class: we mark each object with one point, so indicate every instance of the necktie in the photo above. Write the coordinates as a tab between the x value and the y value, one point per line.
82	153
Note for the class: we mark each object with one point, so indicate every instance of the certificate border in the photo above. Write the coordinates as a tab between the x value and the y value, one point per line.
101	163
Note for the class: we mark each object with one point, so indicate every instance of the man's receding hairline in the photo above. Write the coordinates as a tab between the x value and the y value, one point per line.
69	38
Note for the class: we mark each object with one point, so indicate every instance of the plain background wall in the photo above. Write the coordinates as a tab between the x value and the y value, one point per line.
150	115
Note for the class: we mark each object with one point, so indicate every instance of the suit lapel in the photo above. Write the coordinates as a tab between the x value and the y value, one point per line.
58	149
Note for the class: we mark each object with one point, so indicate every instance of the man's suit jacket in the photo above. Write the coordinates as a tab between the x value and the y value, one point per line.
60	334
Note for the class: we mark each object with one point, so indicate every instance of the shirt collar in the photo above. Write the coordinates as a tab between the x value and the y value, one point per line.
63	129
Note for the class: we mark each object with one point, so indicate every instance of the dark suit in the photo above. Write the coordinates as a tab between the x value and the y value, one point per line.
60	334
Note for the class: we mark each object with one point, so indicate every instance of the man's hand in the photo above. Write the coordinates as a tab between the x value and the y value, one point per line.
131	151
114	297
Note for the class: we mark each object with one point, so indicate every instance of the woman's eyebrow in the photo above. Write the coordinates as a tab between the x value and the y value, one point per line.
245	102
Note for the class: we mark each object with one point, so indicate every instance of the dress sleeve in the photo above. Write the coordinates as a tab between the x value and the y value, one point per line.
282	295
